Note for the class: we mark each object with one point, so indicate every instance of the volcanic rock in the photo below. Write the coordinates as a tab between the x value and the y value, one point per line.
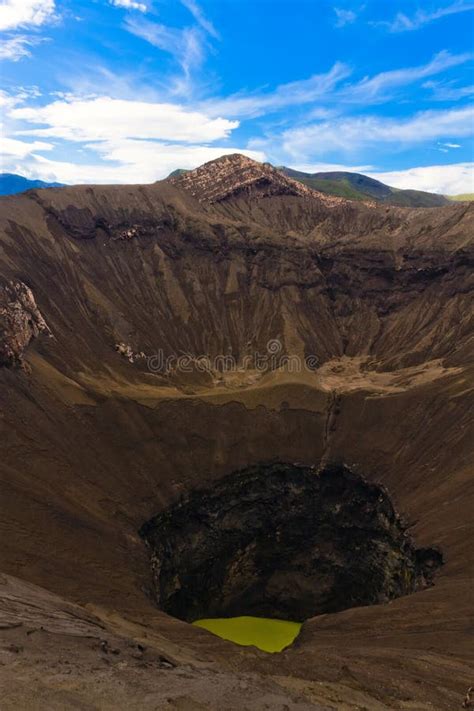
20	322
236	175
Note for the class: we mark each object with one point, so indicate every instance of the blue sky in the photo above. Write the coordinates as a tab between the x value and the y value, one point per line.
108	91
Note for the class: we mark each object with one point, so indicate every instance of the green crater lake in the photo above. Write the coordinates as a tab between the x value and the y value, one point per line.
268	635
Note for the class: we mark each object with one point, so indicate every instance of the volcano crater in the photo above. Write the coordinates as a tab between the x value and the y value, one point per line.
283	541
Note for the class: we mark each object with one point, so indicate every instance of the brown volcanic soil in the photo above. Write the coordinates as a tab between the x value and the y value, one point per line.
93	444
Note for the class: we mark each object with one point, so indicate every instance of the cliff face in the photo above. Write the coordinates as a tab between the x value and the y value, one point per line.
155	270
106	427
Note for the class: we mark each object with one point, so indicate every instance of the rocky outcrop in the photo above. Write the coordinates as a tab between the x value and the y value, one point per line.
237	175
126	351
20	322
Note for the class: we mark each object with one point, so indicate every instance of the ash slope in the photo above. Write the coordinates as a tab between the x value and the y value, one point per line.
222	261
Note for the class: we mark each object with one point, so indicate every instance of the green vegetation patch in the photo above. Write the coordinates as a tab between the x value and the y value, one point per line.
468	197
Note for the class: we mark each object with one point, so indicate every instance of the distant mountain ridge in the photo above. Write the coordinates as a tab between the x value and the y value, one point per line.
10	184
356	186
346	185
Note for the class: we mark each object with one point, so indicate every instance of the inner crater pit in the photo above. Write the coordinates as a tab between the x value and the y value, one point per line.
283	541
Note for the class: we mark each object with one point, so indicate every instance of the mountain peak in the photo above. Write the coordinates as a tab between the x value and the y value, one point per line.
236	175
10	184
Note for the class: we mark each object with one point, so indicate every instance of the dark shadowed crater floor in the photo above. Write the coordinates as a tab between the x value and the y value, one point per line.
285	542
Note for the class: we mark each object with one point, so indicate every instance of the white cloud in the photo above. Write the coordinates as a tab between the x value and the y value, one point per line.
330	168
200	18
10	147
445	91
22	13
104	118
404	23
133	141
8	102
445	179
304	91
351	134
327	88
129	5
344	17
135	162
5	99
157	160
15	48
374	88
132	161
186	45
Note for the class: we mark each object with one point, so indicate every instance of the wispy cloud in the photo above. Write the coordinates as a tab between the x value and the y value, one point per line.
185	45
18	47
446	147
188	45
200	18
344	17
294	93
446	91
328	88
25	13
375	88
129	5
10	100
350	135
406	23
